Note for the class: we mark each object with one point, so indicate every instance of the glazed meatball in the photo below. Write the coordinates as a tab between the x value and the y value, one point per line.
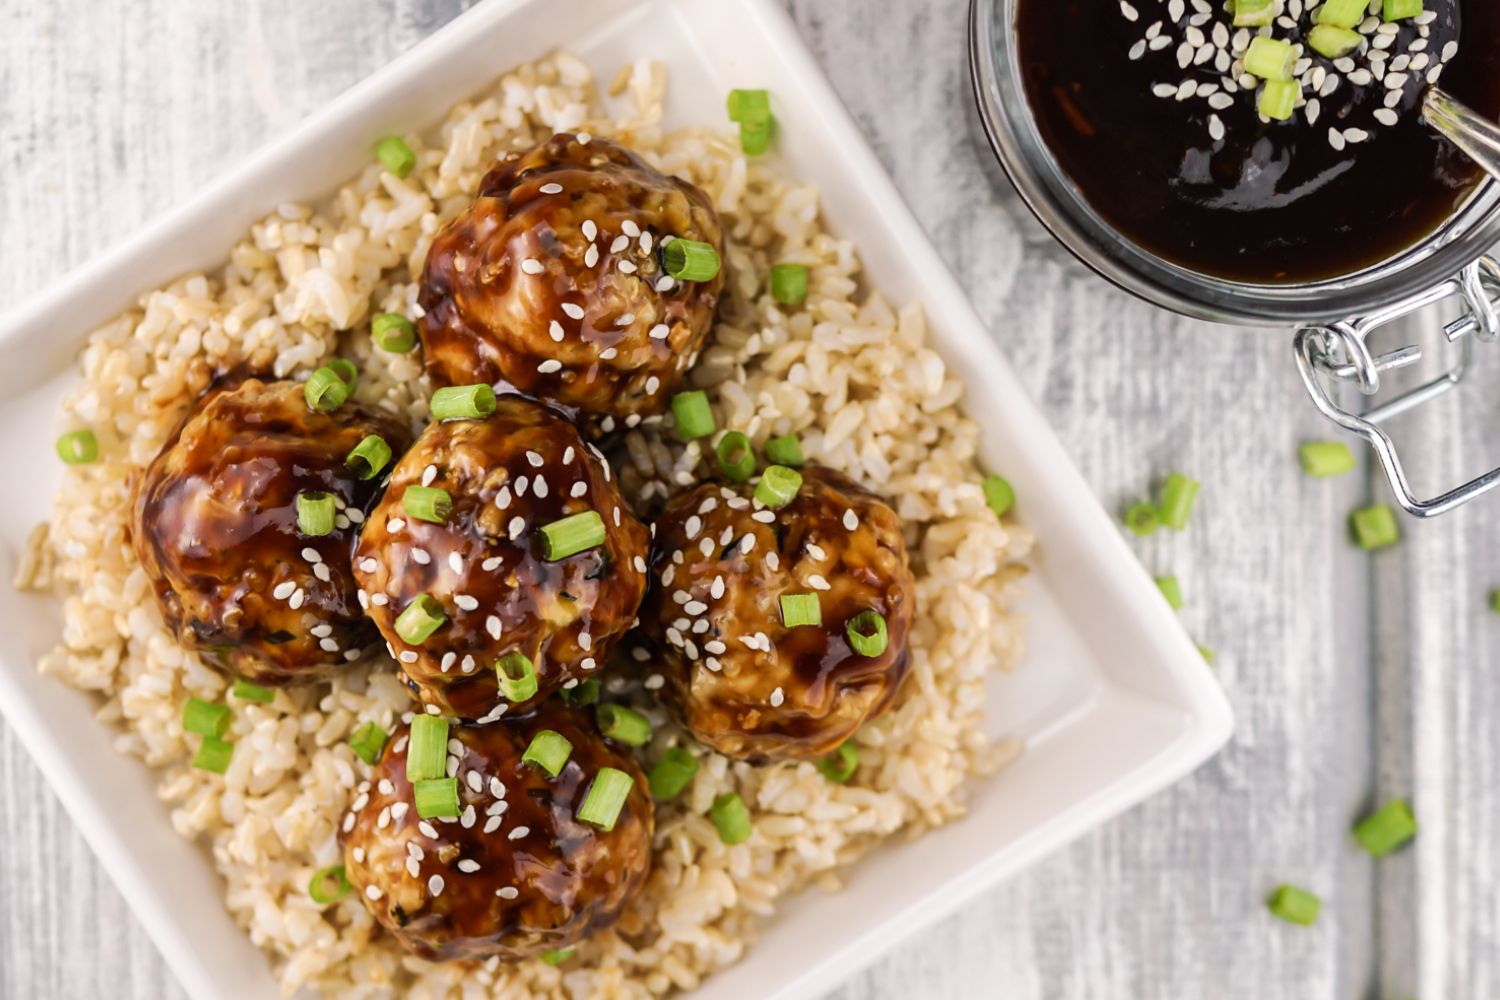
516	872
736	676
552	281
214	524
484	561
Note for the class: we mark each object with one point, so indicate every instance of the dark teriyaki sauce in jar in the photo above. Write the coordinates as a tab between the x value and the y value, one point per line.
1205	182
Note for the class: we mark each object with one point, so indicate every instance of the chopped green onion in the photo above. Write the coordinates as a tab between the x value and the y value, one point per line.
1206	653
1342	13
1178	494
205	718
326	390
421	618
1495	601
346	371
785	450
800	609
395	155
368	741
999	494
1254	13
463	402
690	260
730	818
246	691
1142	519
749	105
1171	590
427	749
1374	527
517	675
1382	832
557	956
315	513
623	725
1270	58
585	693
369	456
839	766
778	486
1294	905
329	885
549	751
1278	99
1399	10
672	774
436	798
571	535
605	798
427	503
393	332
1322	459
755	137
78	447
694	418
213	755
866	632
736	457
1333	43
789	283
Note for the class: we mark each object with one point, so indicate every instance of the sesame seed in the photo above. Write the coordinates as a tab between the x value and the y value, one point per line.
1386	116
414	867
469	818
348	822
497	787
747	544
550	188
449	658
467	664
579	489
367	565
329	645
456	562
777	697
549	366
421	556
851	520
555	331
590	230
816	582
608	354
591	256
764	517
518	833
435	885
298	597
321	571
654	682
373	892
427	830
492	824
586	641
503	498
311	555
620	243
517	525
645	243
407	656
491	564
359	854
773	561
627	267
467	865
509	892
492	626
665	283
1164	90
695	607
379	600
395	524
573	310
285	590
660	331
465	602
706	546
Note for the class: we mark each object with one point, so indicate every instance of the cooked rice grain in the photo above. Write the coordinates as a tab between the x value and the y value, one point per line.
854	377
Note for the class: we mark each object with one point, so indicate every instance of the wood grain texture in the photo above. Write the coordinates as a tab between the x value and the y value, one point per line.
1352	677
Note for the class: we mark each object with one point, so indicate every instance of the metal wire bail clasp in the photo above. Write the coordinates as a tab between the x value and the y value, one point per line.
1339	353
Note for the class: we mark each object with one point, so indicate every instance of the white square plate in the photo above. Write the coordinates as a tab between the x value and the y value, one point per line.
1112	698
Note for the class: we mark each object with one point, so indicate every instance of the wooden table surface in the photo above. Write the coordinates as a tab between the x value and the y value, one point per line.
1353	677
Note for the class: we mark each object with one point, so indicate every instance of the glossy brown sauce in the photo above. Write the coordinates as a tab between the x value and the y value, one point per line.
1269	203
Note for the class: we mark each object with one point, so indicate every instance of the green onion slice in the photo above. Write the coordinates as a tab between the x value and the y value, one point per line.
800	609
213	755
1171	590
749	105
421	618
427	503
1294	905
557	956
755	137
1322	459
1374	527
789	283
369	456
778	486
1254	13
867	633
395	155
839	766
326	390
999	494
1399	10
463	402
785	450
427	750
1333	43
1342	13
673	773
246	691
346	370
315	513
1278	99
1270	58
571	535
583	694
690	260
1142	519
368	741
623	725
1178	494
691	412
329	885
517	676
736	457
436	798
730	818
393	332
1207	654
206	718
78	447
549	751
1382	832
606	797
